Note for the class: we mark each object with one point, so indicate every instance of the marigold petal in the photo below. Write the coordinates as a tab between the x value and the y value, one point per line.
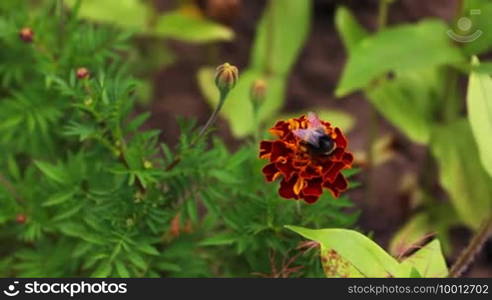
310	199
270	171
309	172
348	158
279	150
339	185
280	129
327	125
333	190
265	148
300	163
340	138
337	154
286	189
286	168
333	171
299	185
313	187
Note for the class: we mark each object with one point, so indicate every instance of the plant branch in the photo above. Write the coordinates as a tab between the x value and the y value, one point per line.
210	121
469	254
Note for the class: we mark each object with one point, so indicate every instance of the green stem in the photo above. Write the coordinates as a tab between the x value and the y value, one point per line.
61	27
460	11
298	209
210	121
374	126
383	13
256	122
212	118
451	100
270	38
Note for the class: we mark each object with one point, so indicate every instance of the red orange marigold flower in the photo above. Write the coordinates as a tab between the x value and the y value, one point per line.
295	157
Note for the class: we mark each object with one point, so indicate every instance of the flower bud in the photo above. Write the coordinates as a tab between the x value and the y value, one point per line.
258	91
88	102
21	218
138	197
226	77
26	34
82	73
148	164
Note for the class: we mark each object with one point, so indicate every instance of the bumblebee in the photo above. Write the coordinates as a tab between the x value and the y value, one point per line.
316	140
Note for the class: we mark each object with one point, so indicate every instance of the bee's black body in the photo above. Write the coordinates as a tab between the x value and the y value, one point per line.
325	145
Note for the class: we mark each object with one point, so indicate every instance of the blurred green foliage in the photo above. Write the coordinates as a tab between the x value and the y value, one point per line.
409	73
86	191
185	23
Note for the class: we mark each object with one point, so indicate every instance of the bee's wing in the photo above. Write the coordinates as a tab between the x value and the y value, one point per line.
314	120
303	134
307	135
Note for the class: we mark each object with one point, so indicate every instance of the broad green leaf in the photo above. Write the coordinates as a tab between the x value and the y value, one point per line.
436	220
365	258
399	48
414	273
409	101
280	35
428	261
484	67
479	103
347	253
349	29
125	13
180	26
461	172
410	235
477	38
336	266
